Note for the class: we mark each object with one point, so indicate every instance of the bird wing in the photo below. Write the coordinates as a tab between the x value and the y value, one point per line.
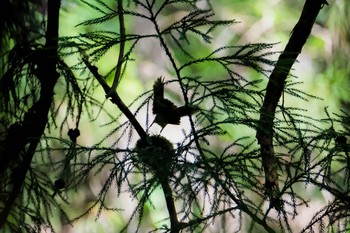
163	106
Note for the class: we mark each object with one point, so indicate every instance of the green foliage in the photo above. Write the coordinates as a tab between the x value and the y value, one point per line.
202	181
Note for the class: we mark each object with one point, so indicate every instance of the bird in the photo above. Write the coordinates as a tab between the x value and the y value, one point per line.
165	111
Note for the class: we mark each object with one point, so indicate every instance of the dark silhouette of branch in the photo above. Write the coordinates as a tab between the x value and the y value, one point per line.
111	91
36	118
274	91
169	200
115	98
121	48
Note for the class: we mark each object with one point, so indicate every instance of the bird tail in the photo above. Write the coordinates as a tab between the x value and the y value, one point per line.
158	89
187	110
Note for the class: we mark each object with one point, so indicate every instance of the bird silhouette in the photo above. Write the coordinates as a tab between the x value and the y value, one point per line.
166	111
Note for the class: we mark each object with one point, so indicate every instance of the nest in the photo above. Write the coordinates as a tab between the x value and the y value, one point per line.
156	154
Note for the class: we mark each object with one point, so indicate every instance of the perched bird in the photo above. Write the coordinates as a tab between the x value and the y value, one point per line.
166	111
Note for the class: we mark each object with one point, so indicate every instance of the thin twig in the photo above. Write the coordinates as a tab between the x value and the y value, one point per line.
121	49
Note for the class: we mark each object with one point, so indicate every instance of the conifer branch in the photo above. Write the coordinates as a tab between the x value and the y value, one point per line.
36	118
274	91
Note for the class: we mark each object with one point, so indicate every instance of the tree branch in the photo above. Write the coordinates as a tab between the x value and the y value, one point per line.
36	118
115	98
169	200
274	91
121	49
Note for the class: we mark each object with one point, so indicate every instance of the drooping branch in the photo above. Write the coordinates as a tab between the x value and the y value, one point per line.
274	91
121	49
